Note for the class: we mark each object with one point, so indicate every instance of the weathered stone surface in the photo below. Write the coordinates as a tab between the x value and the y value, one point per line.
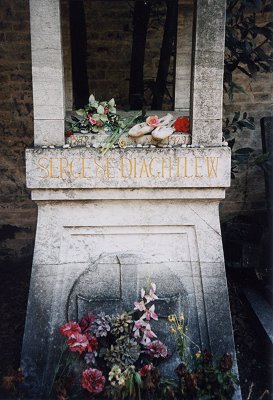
79	140
87	251
135	168
207	87
47	65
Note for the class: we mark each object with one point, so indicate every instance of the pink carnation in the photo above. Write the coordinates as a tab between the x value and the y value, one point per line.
93	380
157	349
70	328
78	343
152	121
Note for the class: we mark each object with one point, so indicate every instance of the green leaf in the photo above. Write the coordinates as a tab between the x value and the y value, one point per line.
92	99
81	111
236	117
111	103
100	110
103	118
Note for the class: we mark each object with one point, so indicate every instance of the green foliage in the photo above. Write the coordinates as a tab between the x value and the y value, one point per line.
248	45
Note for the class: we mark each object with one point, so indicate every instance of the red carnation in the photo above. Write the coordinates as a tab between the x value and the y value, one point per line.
93	343
93	380
182	124
78	343
86	322
146	369
70	328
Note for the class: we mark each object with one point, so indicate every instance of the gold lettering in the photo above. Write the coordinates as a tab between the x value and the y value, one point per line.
197	166
178	167
43	167
157	175
108	160
71	166
51	168
134	168
144	168
122	168
63	169
84	168
186	168
100	173
212	166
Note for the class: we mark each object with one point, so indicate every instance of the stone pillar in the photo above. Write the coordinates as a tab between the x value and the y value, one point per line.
207	73
184	56
47	72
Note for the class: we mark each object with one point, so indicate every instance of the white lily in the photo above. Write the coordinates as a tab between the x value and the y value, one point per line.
140	130
162	132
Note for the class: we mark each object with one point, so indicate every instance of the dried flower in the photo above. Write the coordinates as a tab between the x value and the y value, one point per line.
121	324
70	328
157	349
11	380
93	380
116	377
125	352
90	358
101	325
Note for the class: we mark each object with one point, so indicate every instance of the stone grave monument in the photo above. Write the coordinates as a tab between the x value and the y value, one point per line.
107	224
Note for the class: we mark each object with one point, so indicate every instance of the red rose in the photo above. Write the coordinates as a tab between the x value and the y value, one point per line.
182	124
78	343
70	328
93	380
68	133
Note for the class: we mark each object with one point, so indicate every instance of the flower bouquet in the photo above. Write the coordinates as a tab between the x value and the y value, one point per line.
118	357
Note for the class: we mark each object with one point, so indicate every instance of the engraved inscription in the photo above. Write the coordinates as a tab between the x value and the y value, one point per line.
125	168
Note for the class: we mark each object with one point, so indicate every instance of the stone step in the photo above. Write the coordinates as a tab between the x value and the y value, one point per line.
262	311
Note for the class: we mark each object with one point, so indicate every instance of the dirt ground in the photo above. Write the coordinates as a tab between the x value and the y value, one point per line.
253	352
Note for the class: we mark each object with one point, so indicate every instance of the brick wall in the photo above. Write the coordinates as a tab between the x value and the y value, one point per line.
17	211
107	79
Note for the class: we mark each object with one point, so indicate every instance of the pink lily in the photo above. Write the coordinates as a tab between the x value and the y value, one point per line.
139	325
139	306
151	296
150	313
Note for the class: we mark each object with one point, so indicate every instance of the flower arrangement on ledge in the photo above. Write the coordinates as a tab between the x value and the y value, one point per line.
98	117
119	356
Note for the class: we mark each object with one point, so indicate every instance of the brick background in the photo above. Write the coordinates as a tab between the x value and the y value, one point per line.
108	70
17	211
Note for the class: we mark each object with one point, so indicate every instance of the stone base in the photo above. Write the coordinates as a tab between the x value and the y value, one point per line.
100	239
